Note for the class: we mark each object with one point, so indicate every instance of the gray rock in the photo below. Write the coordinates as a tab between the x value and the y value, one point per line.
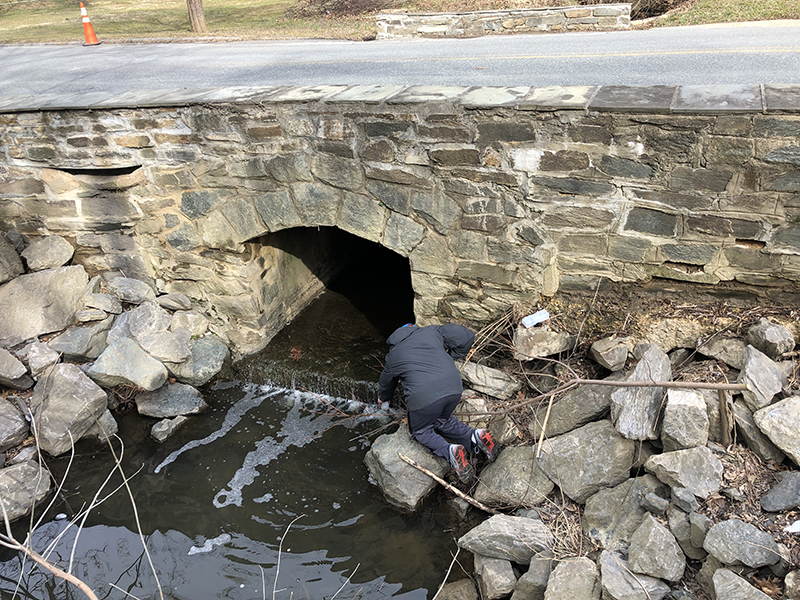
10	263
635	410
513	480
694	468
22	486
792	585
574	579
65	404
533	583
103	429
131	290
166	427
762	376
729	586
459	590
655	552
583	405
124	362
207	356
48	253
684	499
785	495
604	455
669	334
770	338
105	302
779	423
85	342
655	504
681	528
491	382
728	350
174	302
40	303
752	436
13	374
120	329
619	583
192	320
611	352
148	324
517	539
733	494
705	576
612	515
403	485
170	400
87	315
685	422
734	542
699	527
13	426
679	356
539	342
472	409
495	577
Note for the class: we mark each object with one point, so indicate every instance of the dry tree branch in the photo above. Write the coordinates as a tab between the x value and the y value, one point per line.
280	551
123	591
346	582
446	575
456	491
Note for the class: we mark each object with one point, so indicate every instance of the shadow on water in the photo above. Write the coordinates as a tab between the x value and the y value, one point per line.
216	499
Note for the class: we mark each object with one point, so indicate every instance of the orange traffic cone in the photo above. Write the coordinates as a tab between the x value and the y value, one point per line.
88	30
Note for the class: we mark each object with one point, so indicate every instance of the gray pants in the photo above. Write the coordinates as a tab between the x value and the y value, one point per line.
430	423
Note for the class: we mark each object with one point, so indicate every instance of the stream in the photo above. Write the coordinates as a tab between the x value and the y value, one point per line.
263	496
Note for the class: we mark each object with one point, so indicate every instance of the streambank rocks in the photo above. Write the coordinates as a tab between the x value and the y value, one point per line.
517	539
513	479
22	486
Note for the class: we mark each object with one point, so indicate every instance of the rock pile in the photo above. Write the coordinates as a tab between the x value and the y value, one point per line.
100	333
641	463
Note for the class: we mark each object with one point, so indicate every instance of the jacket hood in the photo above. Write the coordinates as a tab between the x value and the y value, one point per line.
400	334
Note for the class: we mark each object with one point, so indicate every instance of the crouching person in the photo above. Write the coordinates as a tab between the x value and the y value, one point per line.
421	359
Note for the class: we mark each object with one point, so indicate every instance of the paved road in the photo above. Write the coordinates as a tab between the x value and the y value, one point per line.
742	54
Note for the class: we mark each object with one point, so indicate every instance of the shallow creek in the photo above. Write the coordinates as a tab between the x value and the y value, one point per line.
263	484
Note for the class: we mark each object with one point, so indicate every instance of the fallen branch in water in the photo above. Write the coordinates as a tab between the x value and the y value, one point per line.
456	491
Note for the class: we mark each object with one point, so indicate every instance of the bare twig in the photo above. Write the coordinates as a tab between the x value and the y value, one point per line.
346	582
123	591
456	491
446	575
280	551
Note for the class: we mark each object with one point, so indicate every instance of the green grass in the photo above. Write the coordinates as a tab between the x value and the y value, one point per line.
37	21
702	12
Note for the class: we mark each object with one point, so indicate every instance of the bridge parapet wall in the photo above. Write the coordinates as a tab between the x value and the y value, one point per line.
496	195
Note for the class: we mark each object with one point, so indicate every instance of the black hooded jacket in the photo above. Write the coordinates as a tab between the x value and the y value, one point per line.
421	358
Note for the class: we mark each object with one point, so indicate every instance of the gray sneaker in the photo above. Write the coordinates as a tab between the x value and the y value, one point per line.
484	441
457	455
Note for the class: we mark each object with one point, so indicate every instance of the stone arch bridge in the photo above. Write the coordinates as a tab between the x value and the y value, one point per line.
496	196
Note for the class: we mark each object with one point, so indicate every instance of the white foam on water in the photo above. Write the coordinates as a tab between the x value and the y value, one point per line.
208	546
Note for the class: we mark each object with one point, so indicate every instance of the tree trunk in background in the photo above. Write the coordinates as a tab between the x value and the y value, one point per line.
197	18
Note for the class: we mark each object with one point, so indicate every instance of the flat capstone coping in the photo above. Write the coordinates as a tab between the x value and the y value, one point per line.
508	11
668	99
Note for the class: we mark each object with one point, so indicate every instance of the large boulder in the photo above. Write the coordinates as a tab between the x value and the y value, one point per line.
696	469
495	577
754	438
538	342
464	589
685	422
171	400
779	423
131	290
124	362
13	374
514	479
582	405
13	426
83	342
40	358
734	542
517	539
635	410
40	303
729	586
728	350
491	382
620	583
611	516
22	486
207	356
762	377
604	456
65	404
10	263
785	495
48	253
770	338
402	484
574	579
611	352
149	324
655	552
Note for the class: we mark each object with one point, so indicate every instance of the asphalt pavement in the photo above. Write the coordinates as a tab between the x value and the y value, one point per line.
738	54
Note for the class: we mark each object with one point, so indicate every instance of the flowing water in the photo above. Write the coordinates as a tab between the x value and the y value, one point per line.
263	496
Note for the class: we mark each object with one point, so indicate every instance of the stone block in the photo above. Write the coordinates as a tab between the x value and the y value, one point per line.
580	217
686	178
653	222
621	98
564	160
776	126
317	204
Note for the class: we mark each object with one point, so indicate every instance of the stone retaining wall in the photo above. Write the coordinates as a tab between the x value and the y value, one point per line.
597	17
495	195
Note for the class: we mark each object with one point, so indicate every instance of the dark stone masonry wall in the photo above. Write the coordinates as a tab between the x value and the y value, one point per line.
496	195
